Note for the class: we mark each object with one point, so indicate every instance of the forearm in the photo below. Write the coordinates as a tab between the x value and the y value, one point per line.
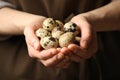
106	18
13	21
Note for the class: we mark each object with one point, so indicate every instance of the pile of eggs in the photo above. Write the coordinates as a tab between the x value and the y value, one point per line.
55	34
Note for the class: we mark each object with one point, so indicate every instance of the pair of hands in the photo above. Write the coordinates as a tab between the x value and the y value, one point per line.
62	57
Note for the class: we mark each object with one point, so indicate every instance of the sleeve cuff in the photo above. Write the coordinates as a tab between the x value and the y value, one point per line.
6	4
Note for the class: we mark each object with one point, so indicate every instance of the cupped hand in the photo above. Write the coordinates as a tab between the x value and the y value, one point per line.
54	57
29	32
88	41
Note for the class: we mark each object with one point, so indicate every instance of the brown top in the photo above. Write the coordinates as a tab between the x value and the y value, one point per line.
15	64
59	9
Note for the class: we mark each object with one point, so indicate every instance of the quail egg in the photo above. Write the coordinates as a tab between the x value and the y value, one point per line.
71	27
49	24
59	23
57	32
41	33
49	42
66	39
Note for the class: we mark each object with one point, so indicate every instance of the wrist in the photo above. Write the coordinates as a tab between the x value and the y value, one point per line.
93	20
31	20
26	20
16	20
105	18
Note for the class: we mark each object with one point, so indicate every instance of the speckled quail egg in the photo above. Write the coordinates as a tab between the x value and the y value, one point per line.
57	32
49	24
59	23
49	42
41	33
66	39
71	27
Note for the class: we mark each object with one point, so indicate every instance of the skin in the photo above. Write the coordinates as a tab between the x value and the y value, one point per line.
101	19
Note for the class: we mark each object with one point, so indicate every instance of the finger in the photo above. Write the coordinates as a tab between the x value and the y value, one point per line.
46	54
78	53
53	61
76	50
86	35
58	49
41	55
32	51
65	51
31	38
85	29
64	63
75	58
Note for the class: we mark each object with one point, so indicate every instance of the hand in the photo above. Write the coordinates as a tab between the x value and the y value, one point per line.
29	32
88	42
51	57
54	58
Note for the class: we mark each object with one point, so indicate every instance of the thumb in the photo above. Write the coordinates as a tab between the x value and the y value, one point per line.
86	35
31	38
85	29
